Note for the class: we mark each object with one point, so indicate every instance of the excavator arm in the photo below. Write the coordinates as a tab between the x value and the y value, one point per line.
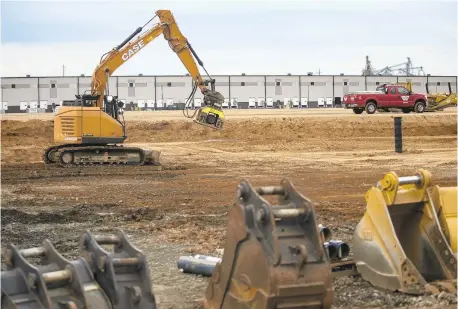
167	26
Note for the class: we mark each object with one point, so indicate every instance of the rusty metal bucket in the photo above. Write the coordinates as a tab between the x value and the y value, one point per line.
98	279
54	283
274	254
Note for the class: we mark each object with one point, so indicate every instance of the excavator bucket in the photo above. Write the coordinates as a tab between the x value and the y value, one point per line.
55	283
274	255
399	244
97	279
122	273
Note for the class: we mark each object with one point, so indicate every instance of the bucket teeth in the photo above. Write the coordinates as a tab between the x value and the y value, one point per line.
59	283
274	254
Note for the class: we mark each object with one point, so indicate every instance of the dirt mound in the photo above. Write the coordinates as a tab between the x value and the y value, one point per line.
291	129
24	141
36	129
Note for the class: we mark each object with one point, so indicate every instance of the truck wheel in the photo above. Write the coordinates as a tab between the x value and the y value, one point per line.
358	110
406	110
371	108
419	107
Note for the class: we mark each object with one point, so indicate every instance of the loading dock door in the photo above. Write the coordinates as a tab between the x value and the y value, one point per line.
23	105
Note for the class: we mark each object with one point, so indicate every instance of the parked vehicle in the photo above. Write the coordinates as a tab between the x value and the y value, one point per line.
385	97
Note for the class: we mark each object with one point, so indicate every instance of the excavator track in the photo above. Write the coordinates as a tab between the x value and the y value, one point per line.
99	155
48	153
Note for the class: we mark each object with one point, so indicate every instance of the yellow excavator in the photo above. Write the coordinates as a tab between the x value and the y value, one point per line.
90	130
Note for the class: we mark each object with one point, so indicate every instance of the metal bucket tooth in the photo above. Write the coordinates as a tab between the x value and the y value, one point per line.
274	254
55	283
123	274
399	244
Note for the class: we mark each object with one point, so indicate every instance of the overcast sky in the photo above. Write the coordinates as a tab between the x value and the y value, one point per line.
231	37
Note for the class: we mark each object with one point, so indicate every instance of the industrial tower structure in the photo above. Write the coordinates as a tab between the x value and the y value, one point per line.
402	69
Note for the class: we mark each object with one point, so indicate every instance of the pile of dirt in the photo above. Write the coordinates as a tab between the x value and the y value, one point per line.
37	131
290	129
24	141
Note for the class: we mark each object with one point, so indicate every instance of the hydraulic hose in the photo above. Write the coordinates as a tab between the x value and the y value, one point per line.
188	103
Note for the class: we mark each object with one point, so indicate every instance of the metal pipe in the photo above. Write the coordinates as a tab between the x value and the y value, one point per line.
287	213
198	266
208	258
342	248
410	180
331	250
33	252
126	261
325	232
107	239
57	276
270	190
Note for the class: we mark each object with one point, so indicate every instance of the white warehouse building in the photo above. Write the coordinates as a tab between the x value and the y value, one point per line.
21	94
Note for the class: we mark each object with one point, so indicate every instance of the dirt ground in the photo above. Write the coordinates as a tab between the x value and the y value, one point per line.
333	157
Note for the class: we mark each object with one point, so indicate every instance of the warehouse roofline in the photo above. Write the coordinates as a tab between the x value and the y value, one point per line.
231	75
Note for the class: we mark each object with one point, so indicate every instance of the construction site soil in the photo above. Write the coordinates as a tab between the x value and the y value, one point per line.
332	158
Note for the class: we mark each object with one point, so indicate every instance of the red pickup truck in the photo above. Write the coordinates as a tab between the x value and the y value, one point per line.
385	97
